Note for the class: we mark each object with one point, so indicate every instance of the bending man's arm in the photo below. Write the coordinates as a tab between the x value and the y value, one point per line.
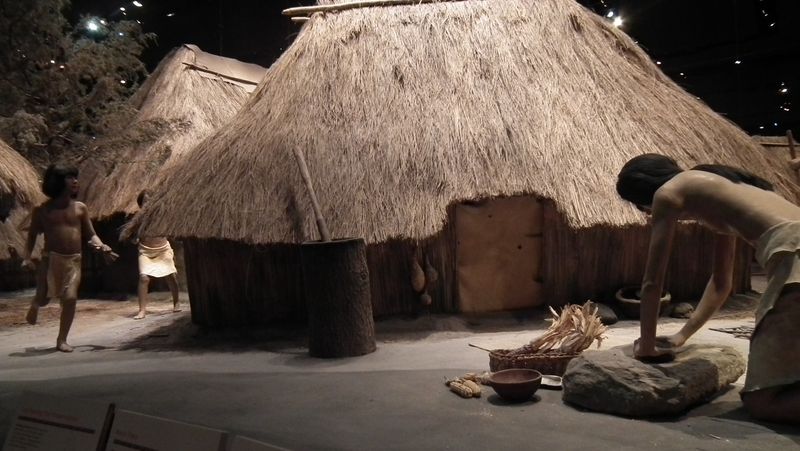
664	219
717	290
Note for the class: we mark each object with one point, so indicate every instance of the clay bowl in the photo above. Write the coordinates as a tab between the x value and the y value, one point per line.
515	384
630	304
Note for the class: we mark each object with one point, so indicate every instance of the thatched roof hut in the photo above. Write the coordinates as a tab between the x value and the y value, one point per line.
409	114
19	181
12	241
189	95
19	192
12	245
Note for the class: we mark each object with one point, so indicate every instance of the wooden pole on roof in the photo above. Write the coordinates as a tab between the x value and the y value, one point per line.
322	226
308	10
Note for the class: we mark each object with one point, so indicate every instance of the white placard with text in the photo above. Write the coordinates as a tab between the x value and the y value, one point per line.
54	423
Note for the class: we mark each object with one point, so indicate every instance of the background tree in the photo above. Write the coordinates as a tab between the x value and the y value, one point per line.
63	84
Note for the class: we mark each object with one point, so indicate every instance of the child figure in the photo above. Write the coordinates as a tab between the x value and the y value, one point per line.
156	259
65	224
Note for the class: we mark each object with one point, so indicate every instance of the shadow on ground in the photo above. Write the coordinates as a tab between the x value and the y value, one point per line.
36	352
182	335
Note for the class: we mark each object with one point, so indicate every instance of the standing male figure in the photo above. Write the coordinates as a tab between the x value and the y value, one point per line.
65	224
156	259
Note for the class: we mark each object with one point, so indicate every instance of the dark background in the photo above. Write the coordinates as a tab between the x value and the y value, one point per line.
701	39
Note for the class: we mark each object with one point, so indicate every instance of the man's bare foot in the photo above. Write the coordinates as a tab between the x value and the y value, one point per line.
33	315
176	308
63	347
140	315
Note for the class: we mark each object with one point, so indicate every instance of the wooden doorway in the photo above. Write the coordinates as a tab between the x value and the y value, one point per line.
499	254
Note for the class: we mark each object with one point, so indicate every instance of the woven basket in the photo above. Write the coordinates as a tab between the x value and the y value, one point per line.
551	362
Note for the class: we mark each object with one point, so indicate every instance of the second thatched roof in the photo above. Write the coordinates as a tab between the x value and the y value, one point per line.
402	111
12	238
189	95
19	181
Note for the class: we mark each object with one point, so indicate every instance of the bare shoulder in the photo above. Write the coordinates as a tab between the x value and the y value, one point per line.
670	196
81	208
697	178
691	183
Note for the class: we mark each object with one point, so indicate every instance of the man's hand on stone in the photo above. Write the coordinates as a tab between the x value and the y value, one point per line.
654	355
670	341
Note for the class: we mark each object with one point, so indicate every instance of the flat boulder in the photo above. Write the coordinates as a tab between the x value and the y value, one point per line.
612	381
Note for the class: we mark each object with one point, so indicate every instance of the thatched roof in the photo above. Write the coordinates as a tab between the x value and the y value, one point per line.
19	181
189	95
402	111
12	239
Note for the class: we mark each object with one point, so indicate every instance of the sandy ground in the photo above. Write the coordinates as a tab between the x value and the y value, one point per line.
262	384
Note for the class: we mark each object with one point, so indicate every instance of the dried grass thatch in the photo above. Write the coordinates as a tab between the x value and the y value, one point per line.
12	241
404	110
13	233
189	95
19	181
19	192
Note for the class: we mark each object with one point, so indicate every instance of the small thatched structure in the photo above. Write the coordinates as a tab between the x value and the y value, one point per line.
189	95
19	181
19	193
12	241
475	143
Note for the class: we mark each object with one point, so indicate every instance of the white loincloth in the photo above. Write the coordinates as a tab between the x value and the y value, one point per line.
156	261
63	275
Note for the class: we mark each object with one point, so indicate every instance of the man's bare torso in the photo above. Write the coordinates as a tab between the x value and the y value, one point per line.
62	226
726	207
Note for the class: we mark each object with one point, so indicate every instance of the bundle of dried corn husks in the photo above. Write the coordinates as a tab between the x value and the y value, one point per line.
572	331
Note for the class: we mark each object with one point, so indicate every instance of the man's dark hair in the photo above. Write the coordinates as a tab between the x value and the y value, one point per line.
55	179
140	197
642	176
